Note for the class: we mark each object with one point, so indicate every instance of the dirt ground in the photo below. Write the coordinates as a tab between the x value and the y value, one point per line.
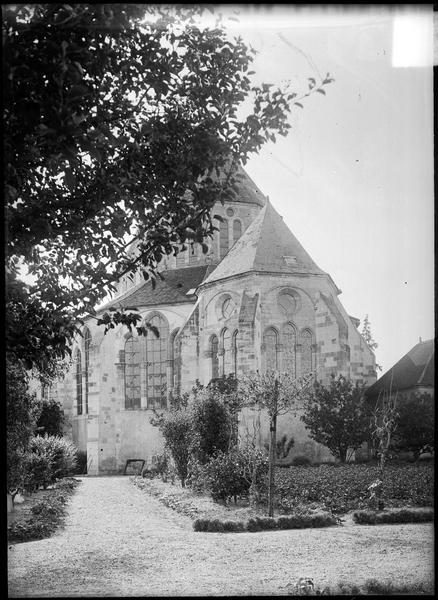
119	541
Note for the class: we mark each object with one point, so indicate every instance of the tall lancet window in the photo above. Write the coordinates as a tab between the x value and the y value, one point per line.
214	347
78	361
132	373
306	351
87	344
234	352
223	238
156	363
289	352
226	356
237	230
270	341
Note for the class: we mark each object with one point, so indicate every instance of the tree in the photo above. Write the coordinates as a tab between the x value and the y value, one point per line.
212	424
279	394
177	430
120	134
337	416
415	425
22	409
51	419
385	423
368	337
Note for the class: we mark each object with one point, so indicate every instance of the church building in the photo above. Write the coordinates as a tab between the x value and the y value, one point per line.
255	301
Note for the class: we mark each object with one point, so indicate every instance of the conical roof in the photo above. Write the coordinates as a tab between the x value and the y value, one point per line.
267	246
246	191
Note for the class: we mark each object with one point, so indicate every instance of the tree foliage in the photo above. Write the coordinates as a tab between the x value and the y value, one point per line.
51	419
212	424
337	416
415	425
120	133
22	409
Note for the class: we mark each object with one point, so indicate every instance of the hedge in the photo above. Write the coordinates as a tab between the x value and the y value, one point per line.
403	515
299	521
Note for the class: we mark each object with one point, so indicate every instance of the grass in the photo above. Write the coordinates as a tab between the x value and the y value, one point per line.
306	587
44	513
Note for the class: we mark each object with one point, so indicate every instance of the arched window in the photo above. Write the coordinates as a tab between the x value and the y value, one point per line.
270	340
78	360
234	351
156	360
226	356
214	346
289	355
237	230
132	373
223	238
306	351
87	344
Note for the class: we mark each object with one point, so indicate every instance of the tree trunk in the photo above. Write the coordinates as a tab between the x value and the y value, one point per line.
272	444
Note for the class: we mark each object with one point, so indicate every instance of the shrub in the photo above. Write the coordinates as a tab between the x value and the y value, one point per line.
198	478
217	526
370	517
230	473
81	459
51	419
37	471
301	461
201	524
60	451
211	423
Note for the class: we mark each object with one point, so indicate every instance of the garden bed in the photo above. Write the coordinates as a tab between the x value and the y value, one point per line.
41	513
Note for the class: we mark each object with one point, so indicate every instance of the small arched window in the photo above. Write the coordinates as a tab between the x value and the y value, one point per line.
223	238
270	341
237	230
78	361
87	344
175	361
214	347
132	373
306	351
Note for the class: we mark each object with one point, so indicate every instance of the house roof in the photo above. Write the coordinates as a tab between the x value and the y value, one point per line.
415	369
267	245
247	191
172	290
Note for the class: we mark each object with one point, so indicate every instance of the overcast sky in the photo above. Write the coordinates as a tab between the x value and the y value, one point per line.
354	178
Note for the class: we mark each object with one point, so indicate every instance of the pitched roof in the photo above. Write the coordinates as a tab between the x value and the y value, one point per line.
267	245
173	289
416	368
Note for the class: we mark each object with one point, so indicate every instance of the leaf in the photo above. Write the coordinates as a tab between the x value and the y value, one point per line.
298	104
321	91
70	179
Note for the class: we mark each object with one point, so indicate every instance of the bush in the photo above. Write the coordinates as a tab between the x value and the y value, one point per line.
51	419
215	525
37	471
229	474
82	464
370	517
61	452
301	461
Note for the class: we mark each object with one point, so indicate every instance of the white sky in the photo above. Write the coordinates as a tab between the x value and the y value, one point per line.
354	178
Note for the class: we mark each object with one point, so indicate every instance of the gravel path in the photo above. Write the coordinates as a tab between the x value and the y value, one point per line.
119	541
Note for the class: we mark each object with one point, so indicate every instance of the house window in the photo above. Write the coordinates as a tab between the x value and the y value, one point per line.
176	362
223	238
156	360
289	355
287	303
87	344
78	361
237	230
270	340
306	352
132	373
214	346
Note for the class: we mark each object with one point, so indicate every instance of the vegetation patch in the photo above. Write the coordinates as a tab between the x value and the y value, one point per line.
403	515
306	587
46	515
343	488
